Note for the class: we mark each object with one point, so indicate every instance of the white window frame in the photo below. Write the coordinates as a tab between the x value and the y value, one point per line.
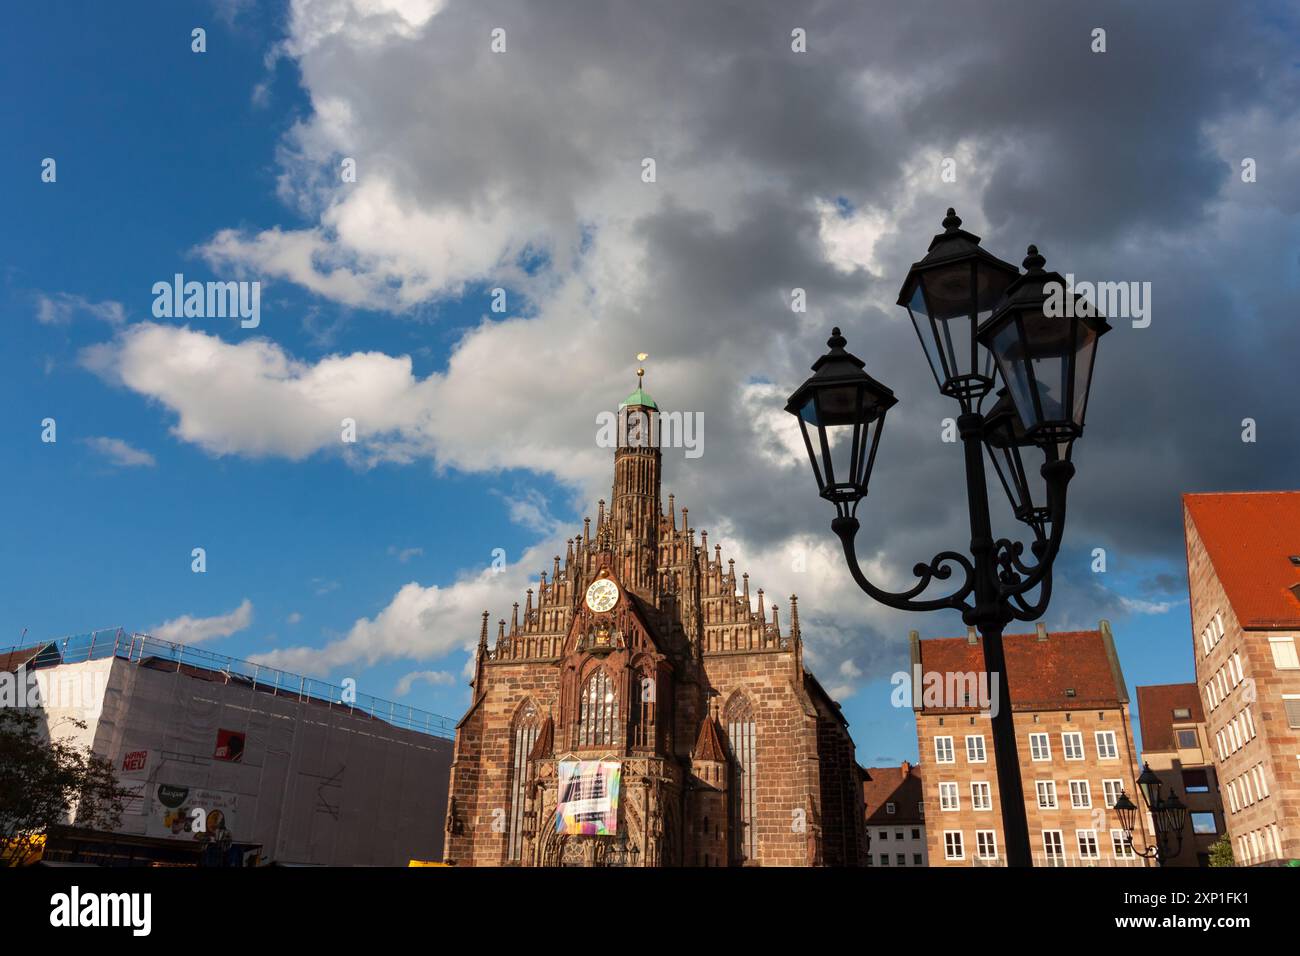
948	845
1066	737
1059	849
949	787
986	840
1096	846
1284	653
978	740
1086	790
1048	787
1037	753
1110	790
939	751
889	809
1112	744
1120	848
985	799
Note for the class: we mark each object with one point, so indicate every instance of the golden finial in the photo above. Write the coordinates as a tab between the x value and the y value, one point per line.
640	373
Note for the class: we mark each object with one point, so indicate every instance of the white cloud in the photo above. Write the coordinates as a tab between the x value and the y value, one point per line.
294	618
404	554
61	307
437	678
1141	606
120	453
187	629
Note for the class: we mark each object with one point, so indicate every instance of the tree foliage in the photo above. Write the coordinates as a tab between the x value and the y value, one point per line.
1221	852
46	780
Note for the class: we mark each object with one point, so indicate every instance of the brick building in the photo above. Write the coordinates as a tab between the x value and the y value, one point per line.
1071	716
1243	566
645	709
1176	745
895	805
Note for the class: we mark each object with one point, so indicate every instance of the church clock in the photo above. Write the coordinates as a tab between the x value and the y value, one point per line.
602	595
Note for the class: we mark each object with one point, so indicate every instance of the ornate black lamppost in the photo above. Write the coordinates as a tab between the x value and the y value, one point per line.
976	317
1168	814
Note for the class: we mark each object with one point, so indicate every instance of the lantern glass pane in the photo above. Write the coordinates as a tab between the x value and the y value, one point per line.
925	332
1010	356
950	292
1050	345
840	404
1087	345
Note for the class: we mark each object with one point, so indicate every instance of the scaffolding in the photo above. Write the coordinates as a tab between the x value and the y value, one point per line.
152	652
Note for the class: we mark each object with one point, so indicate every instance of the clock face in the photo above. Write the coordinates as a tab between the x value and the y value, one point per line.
602	595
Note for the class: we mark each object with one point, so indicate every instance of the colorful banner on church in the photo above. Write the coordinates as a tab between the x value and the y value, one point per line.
588	797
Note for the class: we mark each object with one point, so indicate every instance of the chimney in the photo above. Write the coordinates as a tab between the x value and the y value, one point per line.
906	768
972	636
1042	630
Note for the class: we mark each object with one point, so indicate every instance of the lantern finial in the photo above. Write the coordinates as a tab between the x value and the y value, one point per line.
952	222
836	341
1034	262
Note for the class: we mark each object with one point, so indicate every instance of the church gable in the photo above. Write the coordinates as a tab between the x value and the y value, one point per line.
643	664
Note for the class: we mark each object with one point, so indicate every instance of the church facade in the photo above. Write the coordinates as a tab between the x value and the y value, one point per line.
645	709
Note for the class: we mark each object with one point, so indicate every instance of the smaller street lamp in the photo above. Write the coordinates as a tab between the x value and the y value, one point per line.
1004	434
846	407
1169	815
621	852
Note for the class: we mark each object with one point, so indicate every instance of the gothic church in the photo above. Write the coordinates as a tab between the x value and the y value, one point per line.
643	676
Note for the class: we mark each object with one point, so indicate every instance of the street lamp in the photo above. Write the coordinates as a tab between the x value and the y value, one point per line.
846	407
621	852
1169	816
1004	434
976	317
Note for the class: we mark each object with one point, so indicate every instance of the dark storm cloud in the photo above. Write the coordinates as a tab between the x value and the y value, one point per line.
1121	166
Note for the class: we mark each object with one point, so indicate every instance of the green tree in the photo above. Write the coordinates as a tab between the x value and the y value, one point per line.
46	781
1221	852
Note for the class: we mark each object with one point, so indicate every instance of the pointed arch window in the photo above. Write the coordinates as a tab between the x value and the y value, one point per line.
739	719
523	736
643	708
597	710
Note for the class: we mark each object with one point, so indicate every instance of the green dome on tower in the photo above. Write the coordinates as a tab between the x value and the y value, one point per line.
639	397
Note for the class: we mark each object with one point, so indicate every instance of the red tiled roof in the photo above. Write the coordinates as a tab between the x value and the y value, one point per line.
884	785
1156	705
1250	537
1041	673
20	656
707	745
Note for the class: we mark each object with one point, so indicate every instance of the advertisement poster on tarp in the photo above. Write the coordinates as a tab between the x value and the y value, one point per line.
174	812
588	797
133	779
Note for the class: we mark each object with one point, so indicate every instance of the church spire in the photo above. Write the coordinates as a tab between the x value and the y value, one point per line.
635	504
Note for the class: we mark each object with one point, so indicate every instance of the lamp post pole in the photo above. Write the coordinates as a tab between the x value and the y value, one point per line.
971	311
988	618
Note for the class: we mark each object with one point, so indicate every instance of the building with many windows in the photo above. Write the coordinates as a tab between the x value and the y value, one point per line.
1243	565
644	709
1071	716
894	798
1176	746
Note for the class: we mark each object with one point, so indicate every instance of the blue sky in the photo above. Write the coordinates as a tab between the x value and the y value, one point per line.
161	150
